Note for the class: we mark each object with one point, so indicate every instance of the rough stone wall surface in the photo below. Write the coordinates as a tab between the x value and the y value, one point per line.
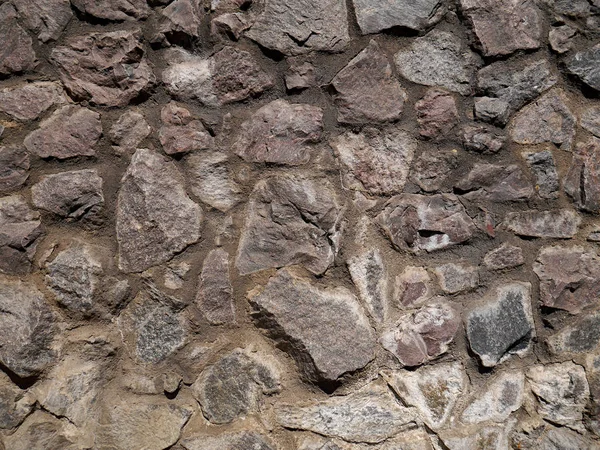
299	224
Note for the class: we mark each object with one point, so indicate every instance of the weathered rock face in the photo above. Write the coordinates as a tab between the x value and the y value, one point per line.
582	181
234	386
454	278
504	257
373	17
583	65
590	120
14	404
482	139
422	335
370	415
155	217
229	441
413	287
16	45
182	136
47	19
115	10
301	75
433	168
215	294
495	183
297	27
108	69
438	59
325	330
437	114
583	336
375	161
280	133
504	27
42	430
544	170
559	224
366	91
425	223
30	101
127	132
28	327
289	221
14	161
179	23
370	278
502	327
70	131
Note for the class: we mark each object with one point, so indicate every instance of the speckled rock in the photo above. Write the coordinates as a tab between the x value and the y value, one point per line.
374	17
179	23
483	139
16	47
128	131
495	183
580	337
560	223
368	273
437	113
116	10
581	182
506	256
14	161
15	403
584	66
29	101
215	293
455	278
544	170
45	18
413	287
229	441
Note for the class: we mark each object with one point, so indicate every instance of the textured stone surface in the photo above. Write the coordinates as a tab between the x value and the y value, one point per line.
116	10
147	230
47	18
482	139
544	170
280	133
590	120
70	131
301	75
584	66
15	404
128	131
229	441
42	430
503	326
506	256
582	180
179	23
495	183
289	221
454	278
432	170
30	101
425	223
14	163
215	293
437	114
438	59
413	287
368	273
184	138
582	336
374	17
375	161
560	223
16	45
366	90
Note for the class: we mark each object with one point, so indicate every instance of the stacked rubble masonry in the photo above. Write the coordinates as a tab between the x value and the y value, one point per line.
299	224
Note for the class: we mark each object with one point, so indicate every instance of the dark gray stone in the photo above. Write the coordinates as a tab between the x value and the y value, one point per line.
584	65
580	337
374	16
544	170
455	278
581	183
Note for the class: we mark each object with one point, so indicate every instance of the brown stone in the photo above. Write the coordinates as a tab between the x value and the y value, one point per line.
504	257
14	167
16	50
495	183
433	168
301	75
366	90
128	131
179	22
582	183
115	10
184	138
373	16
30	101
559	224
229	26
45	18
482	139
214	297
437	113
413	287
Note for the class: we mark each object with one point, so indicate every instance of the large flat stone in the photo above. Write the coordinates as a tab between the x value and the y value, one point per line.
495	183
374	16
16	46
29	101
214	296
558	224
45	18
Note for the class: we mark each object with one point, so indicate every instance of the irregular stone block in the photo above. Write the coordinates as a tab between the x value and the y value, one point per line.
437	113
128	131
504	257
45	18
183	135
15	404
559	224
495	183
455	278
115	10
230	26
42	430
544	170
14	161
584	66
370	278
179	23
301	75
215	293
583	336
590	120
229	441
502	327
16	47
432	169
476	437
413	287
582	181
561	38
374	17
30	101
482	139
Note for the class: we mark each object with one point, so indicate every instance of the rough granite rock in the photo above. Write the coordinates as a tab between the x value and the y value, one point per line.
561	38
20	228
582	182
27	327
548	119
14	167
504	26
506	256
29	101
558	224
179	23
228	76
373	16
211	180
70	131
497	400
375	161
562	391
369	275
481	139
295	27
16	47
15	404
493	437
433	168
544	170
289	220
569	277
583	336
45	18
423	334
455	278
44	431
370	415
495	183
420	223
229	441
214	297
503	326
325	330
73	195
590	120
433	390
280	133
584	65
128	131
230	26
437	113
108	69
438	59
413	287
300	75
366	90
179	139
234	386
155	217
114	10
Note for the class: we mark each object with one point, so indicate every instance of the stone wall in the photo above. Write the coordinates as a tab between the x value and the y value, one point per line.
299	224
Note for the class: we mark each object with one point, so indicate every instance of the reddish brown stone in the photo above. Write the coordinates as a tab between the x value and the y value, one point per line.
179	23
182	134
437	113
14	167
16	51
30	101
582	183
46	18
495	183
117	10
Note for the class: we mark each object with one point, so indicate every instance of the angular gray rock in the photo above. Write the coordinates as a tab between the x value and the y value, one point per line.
438	59
325	330
370	415
482	139
374	17
495	183
228	76
212	181
369	275
16	47
289	220
375	161
584	65
108	69
14	163
437	113
433	168
455	278
214	296
45	18
235	386
504	26
20	228
423	334
73	195
30	101
561	38
503	326
562	391
229	441
544	170
114	10
128	131
27	327
568	277
418	223
590	120
155	217
433	390
366	90
558	224
547	120
297	27
581	182
280	133
580	337
15	404
506	256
